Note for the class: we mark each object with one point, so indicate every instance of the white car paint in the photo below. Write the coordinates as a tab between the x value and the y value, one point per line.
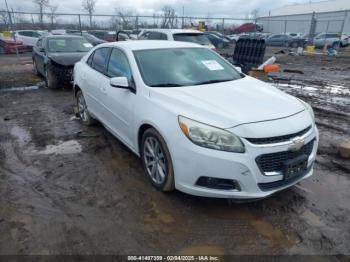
171	32
28	37
246	107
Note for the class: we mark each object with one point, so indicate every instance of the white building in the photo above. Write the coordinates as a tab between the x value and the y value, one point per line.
332	16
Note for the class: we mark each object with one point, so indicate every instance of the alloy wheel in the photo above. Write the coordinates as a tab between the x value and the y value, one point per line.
82	109
155	161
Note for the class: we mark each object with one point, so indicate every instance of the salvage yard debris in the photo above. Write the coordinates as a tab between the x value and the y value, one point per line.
344	149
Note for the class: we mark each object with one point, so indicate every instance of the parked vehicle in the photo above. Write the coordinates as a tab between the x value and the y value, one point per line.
134	34
248	28
218	34
234	38
27	37
54	57
108	36
331	39
217	41
198	125
10	46
285	40
90	38
294	35
183	35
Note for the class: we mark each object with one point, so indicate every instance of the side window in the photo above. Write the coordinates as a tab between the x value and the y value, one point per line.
163	36
118	65
35	34
144	36
39	43
89	61
100	59
154	36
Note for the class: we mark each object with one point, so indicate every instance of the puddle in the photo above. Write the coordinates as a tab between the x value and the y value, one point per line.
333	89
22	135
312	219
24	88
67	147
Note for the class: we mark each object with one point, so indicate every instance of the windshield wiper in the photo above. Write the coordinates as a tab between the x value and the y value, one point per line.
212	82
166	85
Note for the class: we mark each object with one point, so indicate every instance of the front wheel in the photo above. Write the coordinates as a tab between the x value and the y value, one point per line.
50	79
35	68
157	161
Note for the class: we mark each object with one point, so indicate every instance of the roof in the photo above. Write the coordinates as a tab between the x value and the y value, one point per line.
174	31
62	36
310	7
150	44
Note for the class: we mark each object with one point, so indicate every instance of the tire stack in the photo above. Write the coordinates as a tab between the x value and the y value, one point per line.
249	53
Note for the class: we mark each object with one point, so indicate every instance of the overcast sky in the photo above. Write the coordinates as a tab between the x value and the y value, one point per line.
213	8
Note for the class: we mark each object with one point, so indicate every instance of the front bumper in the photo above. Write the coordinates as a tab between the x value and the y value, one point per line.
192	162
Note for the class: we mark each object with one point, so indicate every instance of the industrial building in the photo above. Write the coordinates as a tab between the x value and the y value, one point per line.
331	16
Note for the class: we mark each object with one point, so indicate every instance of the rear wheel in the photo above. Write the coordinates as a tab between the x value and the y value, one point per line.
294	45
157	161
83	111
336	45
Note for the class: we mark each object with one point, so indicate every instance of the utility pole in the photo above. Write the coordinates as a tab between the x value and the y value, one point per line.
183	17
11	25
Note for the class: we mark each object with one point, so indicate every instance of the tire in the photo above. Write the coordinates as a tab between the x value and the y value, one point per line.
154	149
336	45
83	112
294	45
50	79
35	68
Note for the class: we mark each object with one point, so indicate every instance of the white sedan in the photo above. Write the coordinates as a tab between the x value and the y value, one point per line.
198	124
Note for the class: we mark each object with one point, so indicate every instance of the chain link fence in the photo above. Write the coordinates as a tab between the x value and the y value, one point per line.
331	22
49	21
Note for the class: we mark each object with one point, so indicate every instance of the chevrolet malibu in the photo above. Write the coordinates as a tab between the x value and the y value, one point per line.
197	123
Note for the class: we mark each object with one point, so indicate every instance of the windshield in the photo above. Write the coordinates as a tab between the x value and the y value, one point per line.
183	67
193	38
68	45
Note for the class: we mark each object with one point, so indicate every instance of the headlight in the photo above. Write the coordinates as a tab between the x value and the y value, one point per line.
210	137
309	109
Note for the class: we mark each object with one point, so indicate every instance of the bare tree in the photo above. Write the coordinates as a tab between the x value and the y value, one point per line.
169	18
52	14
127	18
4	19
254	14
42	4
89	6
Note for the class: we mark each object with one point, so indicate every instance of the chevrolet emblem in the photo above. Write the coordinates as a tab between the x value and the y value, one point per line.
297	144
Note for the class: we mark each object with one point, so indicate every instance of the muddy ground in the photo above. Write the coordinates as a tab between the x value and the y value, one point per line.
70	189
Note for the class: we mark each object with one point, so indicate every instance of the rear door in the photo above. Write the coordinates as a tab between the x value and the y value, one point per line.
120	102
95	80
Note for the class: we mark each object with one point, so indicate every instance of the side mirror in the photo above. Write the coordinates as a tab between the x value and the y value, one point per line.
42	50
120	82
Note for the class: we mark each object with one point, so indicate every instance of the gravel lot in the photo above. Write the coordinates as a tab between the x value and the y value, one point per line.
70	189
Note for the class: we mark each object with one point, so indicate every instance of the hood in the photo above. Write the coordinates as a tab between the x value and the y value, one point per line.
66	59
229	104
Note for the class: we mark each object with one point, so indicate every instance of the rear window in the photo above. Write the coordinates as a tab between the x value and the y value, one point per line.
68	45
193	38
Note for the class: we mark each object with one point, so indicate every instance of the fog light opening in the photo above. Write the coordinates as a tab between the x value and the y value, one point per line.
218	183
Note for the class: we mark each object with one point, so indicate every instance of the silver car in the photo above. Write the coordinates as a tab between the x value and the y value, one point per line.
334	40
